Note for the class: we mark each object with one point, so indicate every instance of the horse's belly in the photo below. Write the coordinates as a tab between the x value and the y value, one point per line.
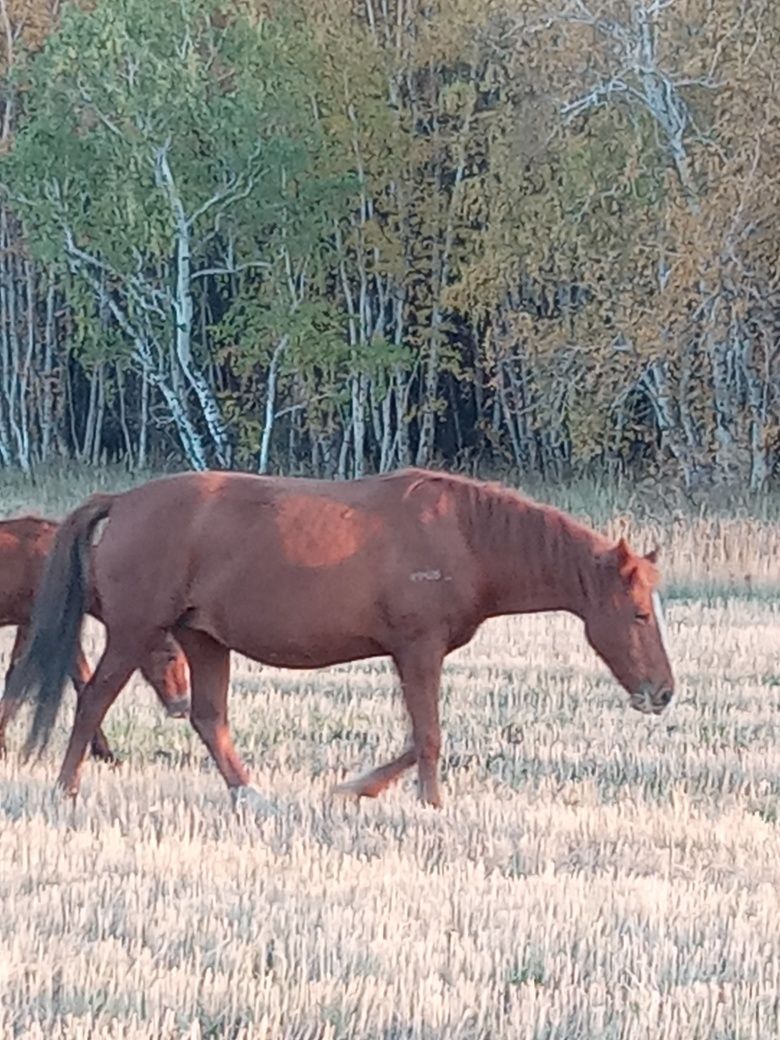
312	654
301	631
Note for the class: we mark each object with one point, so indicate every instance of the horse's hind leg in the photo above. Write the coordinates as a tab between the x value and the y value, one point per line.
114	669
80	675
9	708
209	681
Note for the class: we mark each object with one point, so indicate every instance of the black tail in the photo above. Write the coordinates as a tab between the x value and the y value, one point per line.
61	601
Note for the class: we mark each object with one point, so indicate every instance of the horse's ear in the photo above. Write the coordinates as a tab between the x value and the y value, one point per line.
622	553
652	556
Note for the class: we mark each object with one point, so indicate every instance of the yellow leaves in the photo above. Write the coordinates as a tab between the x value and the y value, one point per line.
24	23
458	99
447	35
474	202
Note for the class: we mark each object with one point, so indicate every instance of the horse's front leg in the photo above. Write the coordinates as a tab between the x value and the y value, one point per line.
419	668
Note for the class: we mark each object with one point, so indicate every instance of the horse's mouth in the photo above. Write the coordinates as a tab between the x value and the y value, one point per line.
651	701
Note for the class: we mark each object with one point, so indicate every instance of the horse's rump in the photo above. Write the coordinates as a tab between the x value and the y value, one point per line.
24	544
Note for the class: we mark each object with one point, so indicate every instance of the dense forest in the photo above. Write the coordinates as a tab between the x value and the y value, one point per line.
529	236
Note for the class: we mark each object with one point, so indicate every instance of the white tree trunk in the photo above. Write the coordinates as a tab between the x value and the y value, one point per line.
270	405
183	311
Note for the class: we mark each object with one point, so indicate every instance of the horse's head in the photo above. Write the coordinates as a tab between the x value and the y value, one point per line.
625	626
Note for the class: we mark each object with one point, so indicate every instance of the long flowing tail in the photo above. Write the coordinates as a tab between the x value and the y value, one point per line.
61	601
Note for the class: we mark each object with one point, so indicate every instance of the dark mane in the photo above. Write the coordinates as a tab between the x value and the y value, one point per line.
494	511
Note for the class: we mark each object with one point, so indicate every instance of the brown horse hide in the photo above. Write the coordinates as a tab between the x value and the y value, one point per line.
303	573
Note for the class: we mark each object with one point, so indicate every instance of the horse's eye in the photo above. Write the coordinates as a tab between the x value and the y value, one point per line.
642	618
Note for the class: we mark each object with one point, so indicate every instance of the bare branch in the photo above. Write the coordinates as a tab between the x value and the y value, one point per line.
599	95
641	78
145	295
580	15
236	188
206	272
86	97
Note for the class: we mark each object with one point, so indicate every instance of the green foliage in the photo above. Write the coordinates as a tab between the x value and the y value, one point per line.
113	87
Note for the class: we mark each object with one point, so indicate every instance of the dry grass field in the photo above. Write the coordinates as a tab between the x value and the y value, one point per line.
594	875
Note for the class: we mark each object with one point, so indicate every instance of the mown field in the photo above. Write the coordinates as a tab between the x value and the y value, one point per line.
594	874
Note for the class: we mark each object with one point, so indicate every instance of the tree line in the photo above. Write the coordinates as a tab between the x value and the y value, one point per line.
343	237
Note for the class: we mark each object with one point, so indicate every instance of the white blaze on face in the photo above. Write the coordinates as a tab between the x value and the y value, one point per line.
660	622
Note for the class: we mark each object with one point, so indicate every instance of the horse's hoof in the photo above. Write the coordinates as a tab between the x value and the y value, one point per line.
249	799
107	758
62	794
352	790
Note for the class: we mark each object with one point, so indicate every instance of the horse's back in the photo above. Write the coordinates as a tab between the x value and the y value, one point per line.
189	524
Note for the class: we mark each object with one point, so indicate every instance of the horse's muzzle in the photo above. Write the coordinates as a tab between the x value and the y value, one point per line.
651	700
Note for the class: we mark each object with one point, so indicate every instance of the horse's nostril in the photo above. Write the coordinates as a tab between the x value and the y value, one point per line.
666	696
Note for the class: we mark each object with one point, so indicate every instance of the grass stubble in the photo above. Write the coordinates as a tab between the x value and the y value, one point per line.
594	874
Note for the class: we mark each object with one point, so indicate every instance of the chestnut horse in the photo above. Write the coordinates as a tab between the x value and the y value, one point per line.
302	573
24	545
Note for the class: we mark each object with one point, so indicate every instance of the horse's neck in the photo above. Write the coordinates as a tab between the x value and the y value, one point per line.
537	559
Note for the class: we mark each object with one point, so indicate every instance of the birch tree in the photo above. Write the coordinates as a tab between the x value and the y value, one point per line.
150	131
